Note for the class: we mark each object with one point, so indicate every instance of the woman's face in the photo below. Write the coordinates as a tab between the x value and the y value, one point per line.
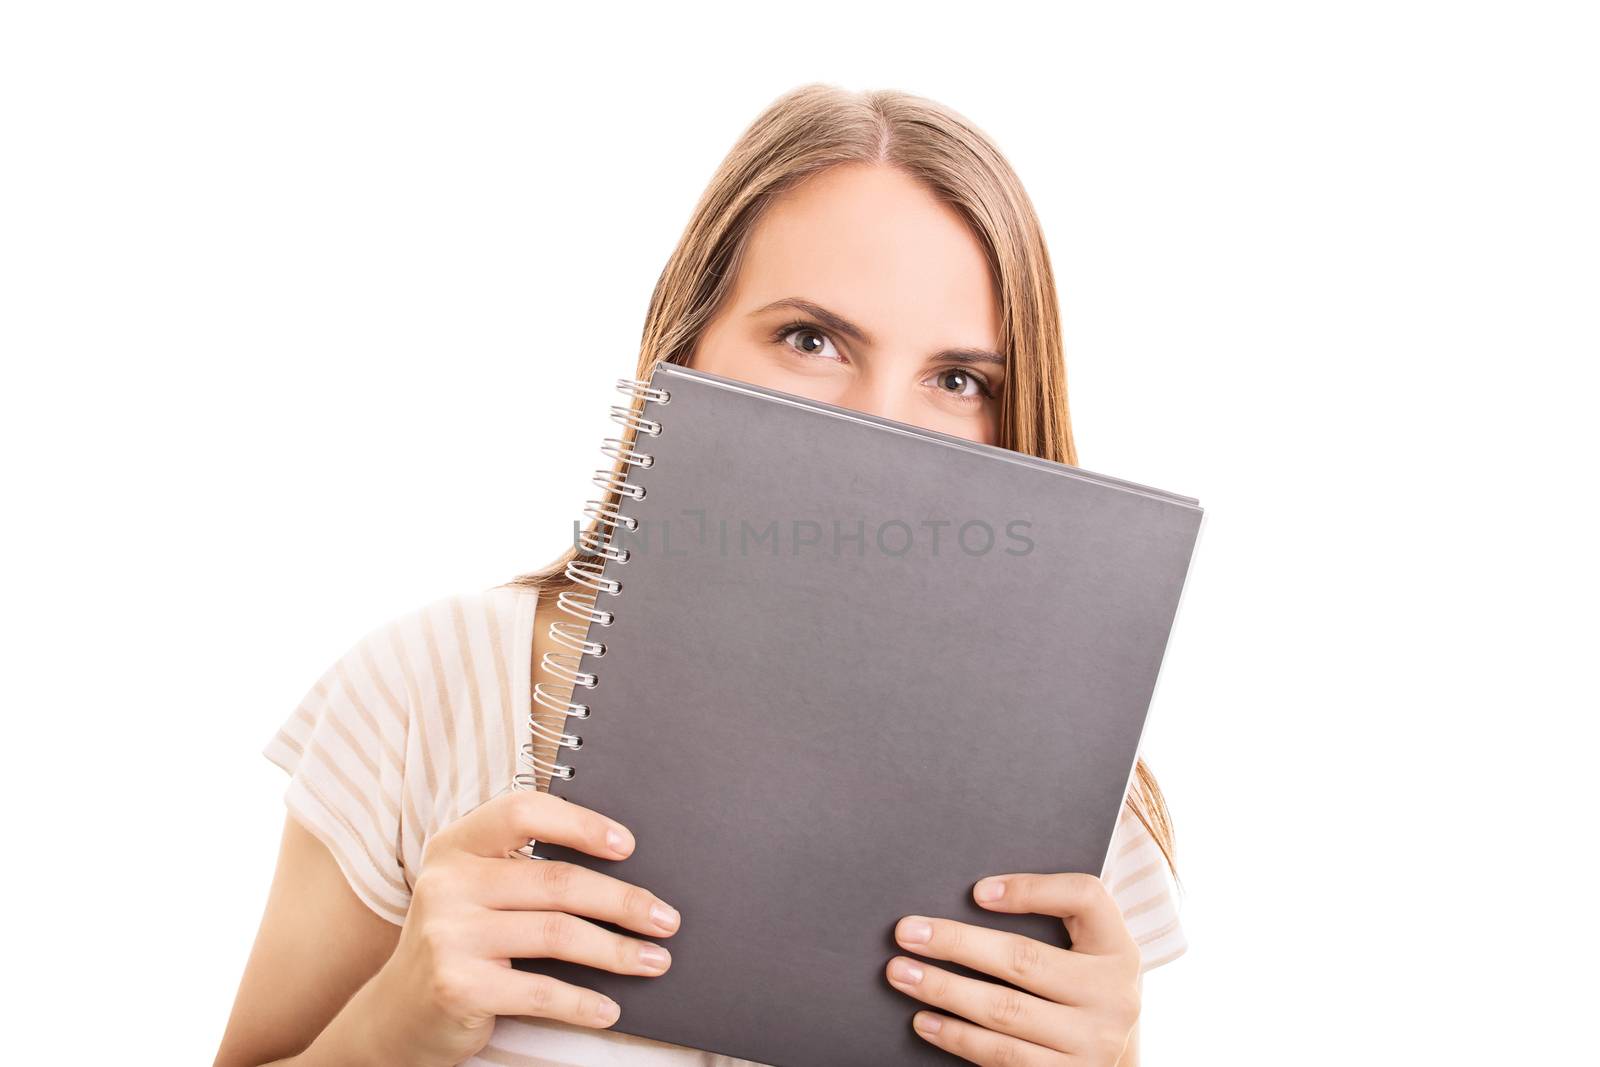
860	288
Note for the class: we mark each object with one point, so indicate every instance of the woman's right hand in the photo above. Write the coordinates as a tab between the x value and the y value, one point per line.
475	907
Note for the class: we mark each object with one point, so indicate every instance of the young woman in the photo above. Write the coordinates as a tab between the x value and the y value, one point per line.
870	250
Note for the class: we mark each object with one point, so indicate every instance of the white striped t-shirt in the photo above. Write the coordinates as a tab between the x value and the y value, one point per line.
421	720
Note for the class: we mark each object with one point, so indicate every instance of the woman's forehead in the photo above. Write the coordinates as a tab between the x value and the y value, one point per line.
878	247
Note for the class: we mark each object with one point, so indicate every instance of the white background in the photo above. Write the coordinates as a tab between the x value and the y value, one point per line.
310	314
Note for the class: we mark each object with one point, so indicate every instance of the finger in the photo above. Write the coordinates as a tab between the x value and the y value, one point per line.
1048	970
507	991
509	821
557	935
978	1045
992	1006
555	885
1082	901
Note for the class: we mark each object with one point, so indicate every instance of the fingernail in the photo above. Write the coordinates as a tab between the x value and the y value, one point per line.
905	971
664	916
617	840
990	889
928	1024
654	957
915	932
606	1012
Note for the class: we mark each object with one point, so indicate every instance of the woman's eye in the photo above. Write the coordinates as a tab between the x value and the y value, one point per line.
810	342
959	383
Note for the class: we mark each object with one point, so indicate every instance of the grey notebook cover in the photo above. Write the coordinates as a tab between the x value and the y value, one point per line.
855	667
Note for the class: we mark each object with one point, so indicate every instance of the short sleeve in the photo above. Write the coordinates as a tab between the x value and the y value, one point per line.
343	748
1139	880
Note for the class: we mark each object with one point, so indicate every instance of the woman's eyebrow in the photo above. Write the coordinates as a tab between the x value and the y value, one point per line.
969	355
837	323
840	324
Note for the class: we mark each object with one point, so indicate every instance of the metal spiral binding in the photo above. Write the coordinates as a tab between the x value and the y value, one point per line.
583	604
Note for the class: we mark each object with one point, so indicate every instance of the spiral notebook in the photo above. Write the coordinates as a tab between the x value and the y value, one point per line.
831	670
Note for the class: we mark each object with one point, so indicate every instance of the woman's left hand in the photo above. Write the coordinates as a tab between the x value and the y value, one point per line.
1081	1003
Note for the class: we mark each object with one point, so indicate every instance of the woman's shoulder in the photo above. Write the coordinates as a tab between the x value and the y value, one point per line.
1141	882
463	616
435	685
461	662
408	728
435	650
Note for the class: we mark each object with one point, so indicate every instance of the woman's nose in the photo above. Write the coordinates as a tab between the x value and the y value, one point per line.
876	394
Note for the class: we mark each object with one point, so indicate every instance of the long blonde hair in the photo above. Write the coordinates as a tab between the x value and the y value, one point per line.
818	126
